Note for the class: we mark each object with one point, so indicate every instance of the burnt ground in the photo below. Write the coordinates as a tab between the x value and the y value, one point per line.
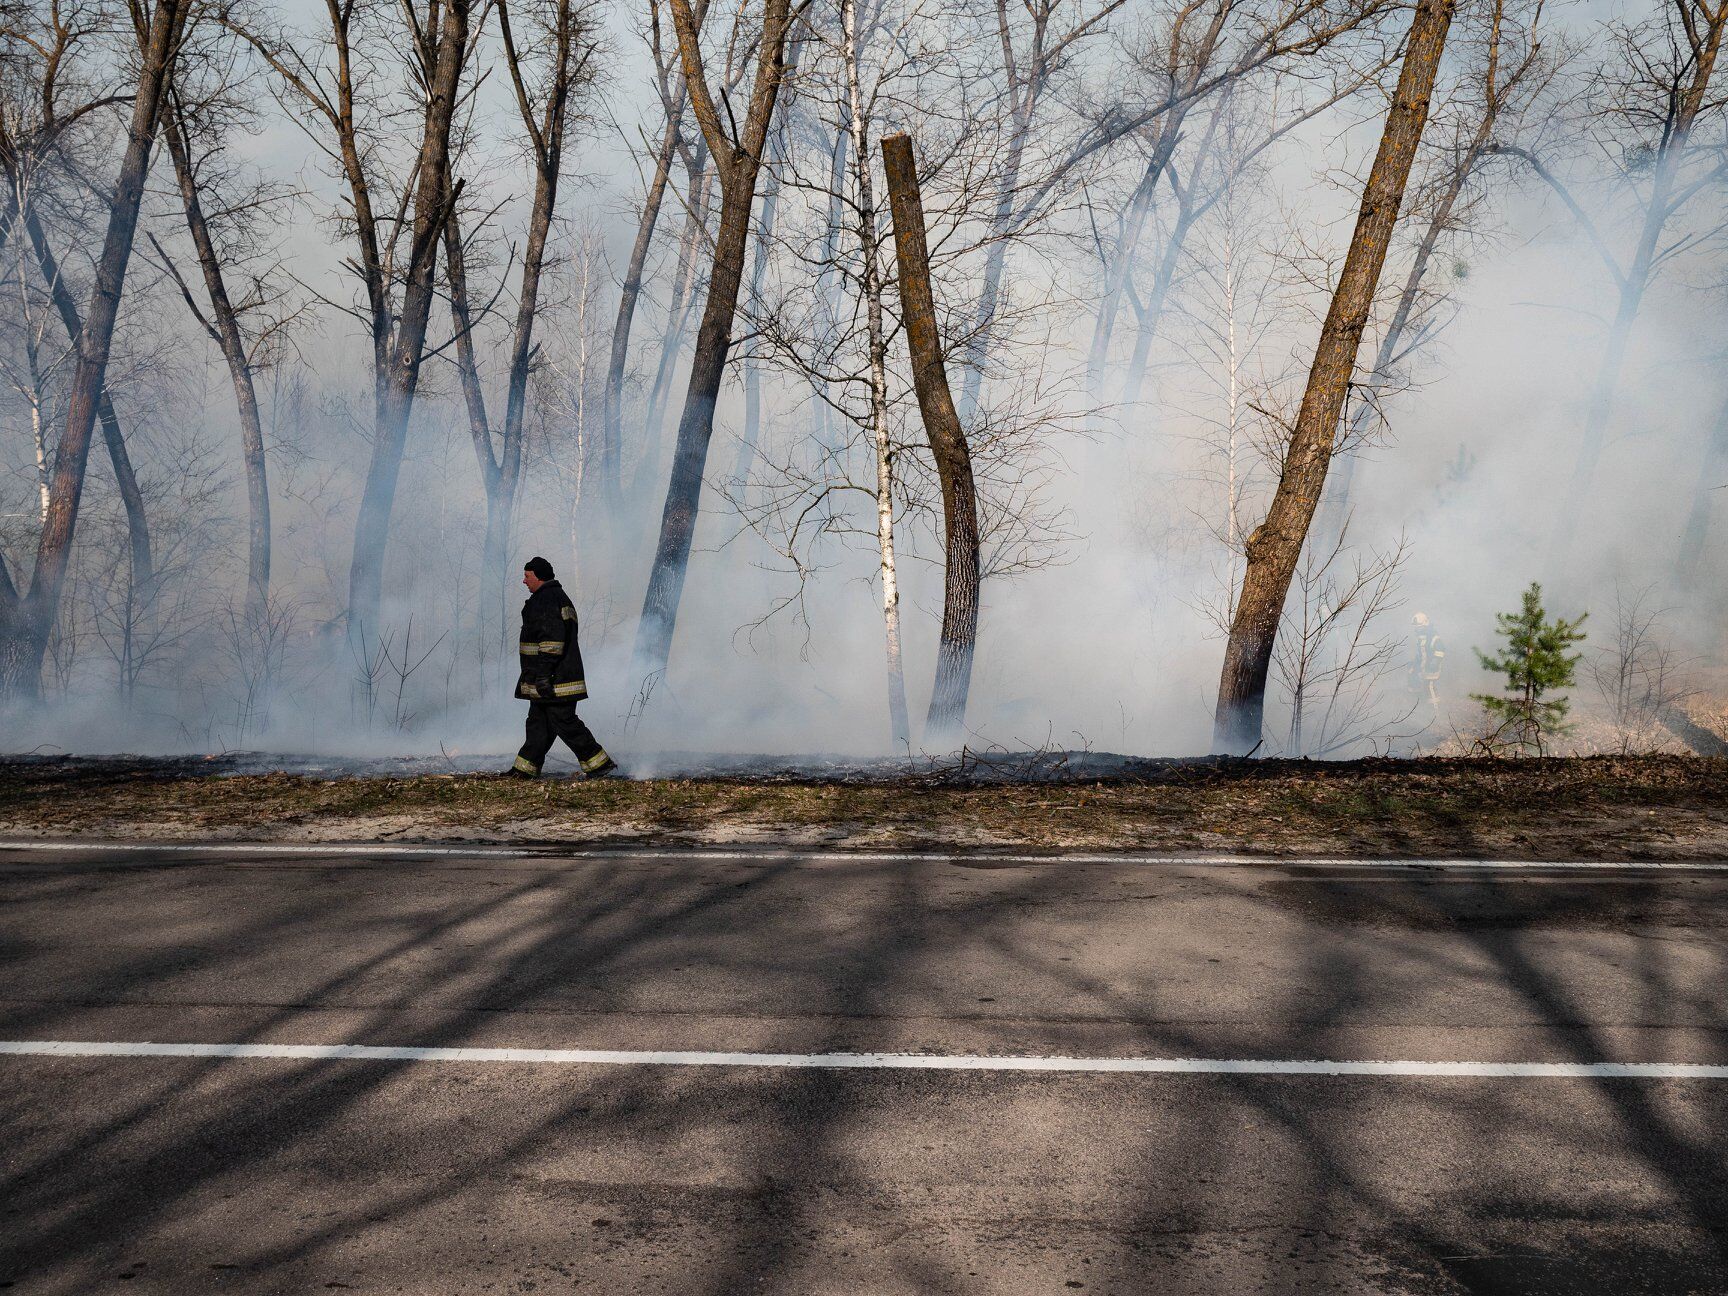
1621	807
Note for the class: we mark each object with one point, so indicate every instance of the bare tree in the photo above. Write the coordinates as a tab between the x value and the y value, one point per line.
737	155
859	116
947	445
1040	44
1197	50
1239	306
25	620
1276	544
1240	129
674	99
1509	70
54	101
1333	654
1649	108
1641	679
1194	50
226	214
550	69
324	79
145	629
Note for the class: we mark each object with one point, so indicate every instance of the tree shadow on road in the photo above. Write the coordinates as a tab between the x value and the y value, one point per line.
910	1181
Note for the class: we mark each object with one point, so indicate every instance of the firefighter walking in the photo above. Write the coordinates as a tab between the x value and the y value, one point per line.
552	679
1427	660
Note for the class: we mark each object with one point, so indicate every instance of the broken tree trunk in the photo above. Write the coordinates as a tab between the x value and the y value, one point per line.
947	445
1276	544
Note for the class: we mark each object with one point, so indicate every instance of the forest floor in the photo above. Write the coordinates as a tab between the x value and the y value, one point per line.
1598	807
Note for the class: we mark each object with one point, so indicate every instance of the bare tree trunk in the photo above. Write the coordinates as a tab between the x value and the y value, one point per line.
1153	315
1686	106
225	329
544	127
401	375
737	163
947	445
1275	547
618	364
1121	266
125	477
822	423
995	263
25	624
899	725
1712	477
685	289
1335	506
758	273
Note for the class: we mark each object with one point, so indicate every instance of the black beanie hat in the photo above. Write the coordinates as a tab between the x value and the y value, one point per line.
540	567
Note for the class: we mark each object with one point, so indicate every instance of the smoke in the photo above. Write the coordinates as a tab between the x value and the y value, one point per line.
1109	641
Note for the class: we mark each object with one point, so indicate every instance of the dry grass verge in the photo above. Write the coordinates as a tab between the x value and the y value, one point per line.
1650	807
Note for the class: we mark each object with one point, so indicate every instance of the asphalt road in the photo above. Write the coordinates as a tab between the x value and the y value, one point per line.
191	1174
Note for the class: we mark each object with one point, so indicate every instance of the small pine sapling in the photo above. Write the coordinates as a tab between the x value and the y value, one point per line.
1535	662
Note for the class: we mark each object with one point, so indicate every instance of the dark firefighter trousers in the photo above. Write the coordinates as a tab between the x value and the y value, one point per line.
551	720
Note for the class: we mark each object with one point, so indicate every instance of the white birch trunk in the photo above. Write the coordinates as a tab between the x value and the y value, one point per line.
858	128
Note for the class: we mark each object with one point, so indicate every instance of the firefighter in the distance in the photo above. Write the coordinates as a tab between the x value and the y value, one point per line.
552	679
1427	658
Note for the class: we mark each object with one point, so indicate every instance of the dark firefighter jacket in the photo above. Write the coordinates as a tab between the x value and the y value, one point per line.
551	662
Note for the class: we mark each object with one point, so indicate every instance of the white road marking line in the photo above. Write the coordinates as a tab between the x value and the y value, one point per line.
552	853
875	1061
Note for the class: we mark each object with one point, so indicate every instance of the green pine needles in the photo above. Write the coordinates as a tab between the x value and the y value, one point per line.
1535	662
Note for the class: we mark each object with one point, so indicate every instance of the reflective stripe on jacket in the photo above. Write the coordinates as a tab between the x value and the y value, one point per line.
551	661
